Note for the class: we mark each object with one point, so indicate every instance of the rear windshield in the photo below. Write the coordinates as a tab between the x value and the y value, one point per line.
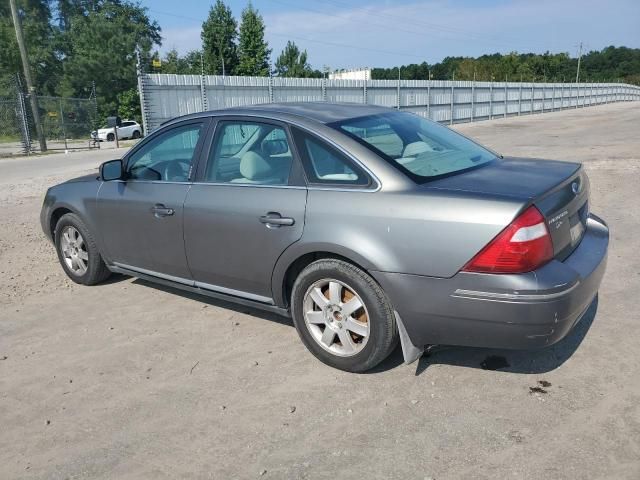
420	148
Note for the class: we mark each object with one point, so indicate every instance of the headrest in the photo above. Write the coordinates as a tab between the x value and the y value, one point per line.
416	148
254	167
274	147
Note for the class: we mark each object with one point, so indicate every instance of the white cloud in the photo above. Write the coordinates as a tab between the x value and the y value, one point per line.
433	29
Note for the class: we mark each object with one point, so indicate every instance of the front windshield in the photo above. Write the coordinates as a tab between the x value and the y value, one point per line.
421	148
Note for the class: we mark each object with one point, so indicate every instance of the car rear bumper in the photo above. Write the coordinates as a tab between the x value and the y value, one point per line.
522	311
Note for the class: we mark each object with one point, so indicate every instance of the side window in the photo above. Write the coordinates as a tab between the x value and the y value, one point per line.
324	164
127	124
168	157
251	153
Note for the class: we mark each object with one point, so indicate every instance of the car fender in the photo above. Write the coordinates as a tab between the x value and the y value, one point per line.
79	197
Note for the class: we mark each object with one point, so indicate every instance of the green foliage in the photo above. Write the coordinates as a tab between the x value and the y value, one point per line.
39	36
293	63
253	50
219	33
89	42
190	64
100	46
610	64
129	105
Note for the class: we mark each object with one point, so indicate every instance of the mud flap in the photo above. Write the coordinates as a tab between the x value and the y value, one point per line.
410	352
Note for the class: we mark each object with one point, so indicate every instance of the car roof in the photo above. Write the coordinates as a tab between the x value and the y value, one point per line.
323	112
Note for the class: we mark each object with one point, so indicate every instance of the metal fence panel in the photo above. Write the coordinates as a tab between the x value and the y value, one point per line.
168	96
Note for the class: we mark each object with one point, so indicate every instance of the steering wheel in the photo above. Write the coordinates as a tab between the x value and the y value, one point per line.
178	167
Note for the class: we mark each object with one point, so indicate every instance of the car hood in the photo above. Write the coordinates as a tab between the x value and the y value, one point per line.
522	178
91	177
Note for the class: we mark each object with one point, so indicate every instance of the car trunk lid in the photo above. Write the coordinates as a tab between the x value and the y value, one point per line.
560	190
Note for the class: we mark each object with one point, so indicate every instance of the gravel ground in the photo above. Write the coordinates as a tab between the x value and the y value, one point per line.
130	380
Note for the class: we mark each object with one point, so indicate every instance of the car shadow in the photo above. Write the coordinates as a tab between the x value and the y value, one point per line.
200	298
513	361
114	278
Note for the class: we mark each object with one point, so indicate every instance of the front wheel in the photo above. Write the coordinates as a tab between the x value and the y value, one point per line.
77	251
111	137
343	316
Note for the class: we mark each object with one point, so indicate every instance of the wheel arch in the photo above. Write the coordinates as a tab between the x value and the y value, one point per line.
294	260
61	208
55	217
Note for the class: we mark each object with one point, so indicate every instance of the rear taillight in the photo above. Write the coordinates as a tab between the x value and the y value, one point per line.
521	247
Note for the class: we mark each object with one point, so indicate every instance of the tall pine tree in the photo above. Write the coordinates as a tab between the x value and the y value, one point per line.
219	33
292	62
253	50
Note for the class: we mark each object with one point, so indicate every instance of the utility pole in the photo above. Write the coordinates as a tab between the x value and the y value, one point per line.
579	59
33	99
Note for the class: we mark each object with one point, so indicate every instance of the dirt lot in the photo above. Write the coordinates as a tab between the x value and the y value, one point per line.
127	380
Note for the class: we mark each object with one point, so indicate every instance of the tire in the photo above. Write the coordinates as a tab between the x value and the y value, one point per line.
136	134
111	137
76	247
358	340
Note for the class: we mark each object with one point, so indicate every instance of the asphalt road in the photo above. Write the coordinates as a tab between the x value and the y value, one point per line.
130	380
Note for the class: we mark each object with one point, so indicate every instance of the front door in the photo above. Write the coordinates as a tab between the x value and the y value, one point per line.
140	218
245	210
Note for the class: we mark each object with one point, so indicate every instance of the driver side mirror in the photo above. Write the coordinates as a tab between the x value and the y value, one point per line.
112	170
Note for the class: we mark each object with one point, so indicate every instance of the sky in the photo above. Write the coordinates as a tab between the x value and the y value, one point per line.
383	33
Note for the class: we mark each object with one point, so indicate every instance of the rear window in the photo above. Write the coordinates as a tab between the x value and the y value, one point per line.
420	148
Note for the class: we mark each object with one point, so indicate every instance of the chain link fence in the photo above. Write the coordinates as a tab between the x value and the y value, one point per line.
14	122
66	123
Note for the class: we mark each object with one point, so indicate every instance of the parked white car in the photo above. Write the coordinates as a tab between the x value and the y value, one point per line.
128	129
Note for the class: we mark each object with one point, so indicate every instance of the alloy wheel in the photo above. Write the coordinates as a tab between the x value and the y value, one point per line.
336	317
74	251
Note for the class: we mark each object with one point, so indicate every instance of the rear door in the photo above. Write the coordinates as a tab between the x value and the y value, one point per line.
246	207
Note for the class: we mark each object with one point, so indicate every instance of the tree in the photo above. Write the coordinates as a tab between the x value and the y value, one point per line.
219	33
129	105
100	46
193	62
253	50
190	64
39	39
293	63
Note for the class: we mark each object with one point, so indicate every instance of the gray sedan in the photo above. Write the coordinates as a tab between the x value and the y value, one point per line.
366	225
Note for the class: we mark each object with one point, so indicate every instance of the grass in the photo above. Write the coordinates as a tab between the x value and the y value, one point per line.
9	138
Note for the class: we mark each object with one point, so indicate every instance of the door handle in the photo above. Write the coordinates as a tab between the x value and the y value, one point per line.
159	210
275	220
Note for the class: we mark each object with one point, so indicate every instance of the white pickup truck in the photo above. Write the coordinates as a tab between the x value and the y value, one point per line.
128	129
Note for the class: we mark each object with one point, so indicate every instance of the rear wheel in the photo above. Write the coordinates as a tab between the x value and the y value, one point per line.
136	134
342	315
77	251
